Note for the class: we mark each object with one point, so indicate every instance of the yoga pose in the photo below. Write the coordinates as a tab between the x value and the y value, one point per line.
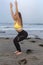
18	25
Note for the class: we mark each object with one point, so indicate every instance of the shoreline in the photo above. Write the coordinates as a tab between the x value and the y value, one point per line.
31	33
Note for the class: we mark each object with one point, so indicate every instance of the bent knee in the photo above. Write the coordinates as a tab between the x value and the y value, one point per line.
15	40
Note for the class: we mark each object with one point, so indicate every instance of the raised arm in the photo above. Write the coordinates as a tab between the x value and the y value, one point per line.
16	5
12	13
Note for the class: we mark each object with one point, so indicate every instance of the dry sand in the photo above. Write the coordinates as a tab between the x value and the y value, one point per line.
35	57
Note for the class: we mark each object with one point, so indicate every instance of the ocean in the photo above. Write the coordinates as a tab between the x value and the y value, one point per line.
34	30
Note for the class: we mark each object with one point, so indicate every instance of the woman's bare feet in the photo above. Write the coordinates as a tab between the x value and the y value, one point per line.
18	53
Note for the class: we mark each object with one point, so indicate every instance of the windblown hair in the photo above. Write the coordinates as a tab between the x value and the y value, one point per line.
20	18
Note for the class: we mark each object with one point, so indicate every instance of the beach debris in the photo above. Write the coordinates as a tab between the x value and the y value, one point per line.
28	51
7	38
41	45
37	37
22	61
33	41
28	38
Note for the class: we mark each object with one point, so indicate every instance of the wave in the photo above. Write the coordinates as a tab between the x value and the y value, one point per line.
27	26
23	23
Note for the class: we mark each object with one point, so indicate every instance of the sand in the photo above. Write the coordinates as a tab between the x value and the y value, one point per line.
32	57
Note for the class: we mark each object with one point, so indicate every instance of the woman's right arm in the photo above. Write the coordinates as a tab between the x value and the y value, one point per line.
12	13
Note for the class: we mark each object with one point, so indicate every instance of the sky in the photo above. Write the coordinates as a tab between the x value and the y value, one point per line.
31	10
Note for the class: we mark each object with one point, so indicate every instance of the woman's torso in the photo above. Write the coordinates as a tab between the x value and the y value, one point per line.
18	27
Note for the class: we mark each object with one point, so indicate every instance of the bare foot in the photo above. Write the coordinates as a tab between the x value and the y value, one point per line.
18	53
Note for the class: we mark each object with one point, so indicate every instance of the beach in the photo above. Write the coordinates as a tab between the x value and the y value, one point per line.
32	20
32	52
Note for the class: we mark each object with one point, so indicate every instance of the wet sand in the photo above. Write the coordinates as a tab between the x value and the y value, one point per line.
32	52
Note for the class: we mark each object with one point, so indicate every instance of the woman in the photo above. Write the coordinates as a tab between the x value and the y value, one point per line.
18	27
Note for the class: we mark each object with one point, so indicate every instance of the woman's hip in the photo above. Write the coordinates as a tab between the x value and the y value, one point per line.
23	33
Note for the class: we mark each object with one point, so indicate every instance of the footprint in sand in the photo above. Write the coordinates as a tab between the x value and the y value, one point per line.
22	61
28	51
41	45
33	41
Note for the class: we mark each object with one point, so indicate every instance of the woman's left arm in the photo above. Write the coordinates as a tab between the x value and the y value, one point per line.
16	5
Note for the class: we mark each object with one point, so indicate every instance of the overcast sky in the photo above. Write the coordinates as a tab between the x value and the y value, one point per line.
32	10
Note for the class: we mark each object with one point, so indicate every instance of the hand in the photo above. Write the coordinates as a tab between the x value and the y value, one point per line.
15	2
11	5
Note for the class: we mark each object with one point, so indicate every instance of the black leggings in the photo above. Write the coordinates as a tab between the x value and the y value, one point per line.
21	36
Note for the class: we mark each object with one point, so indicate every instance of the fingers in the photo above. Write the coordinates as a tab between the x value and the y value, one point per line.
11	5
15	2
